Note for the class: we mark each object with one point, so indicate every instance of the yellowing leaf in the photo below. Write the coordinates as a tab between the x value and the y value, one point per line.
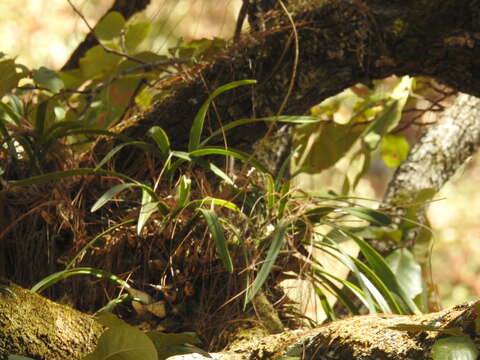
394	150
10	77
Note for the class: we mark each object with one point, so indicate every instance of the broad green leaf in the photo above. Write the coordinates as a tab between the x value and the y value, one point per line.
10	77
175	344
58	276
123	342
136	33
18	357
197	127
381	124
218	237
48	79
278	240
394	150
161	139
407	271
110	26
454	348
97	61
332	143
73	78
110	320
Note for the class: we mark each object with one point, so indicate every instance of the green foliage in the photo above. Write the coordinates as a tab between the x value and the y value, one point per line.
454	348
122	341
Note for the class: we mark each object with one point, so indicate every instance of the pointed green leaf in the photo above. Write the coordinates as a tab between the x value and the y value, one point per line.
161	139
197	126
218	237
277	242
109	194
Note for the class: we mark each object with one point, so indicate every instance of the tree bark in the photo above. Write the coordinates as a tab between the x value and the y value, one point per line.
439	153
41	329
33	326
340	43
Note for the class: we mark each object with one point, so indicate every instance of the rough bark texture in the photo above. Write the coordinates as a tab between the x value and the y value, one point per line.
33	326
340	43
438	154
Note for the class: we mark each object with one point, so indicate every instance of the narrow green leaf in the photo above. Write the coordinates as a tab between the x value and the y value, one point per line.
370	215
161	139
61	275
183	191
277	242
197	126
141	144
208	201
284	118
218	237
109	194
148	208
58	175
95	239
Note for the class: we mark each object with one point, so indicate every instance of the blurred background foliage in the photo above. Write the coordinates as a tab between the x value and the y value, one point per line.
44	32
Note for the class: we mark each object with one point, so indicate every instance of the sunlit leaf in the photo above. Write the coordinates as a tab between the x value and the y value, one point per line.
148	208
123	342
58	276
278	240
218	237
454	348
407	271
394	150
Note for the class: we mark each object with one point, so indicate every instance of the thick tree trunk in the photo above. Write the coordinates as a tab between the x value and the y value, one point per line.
38	328
340	43
33	326
439	153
